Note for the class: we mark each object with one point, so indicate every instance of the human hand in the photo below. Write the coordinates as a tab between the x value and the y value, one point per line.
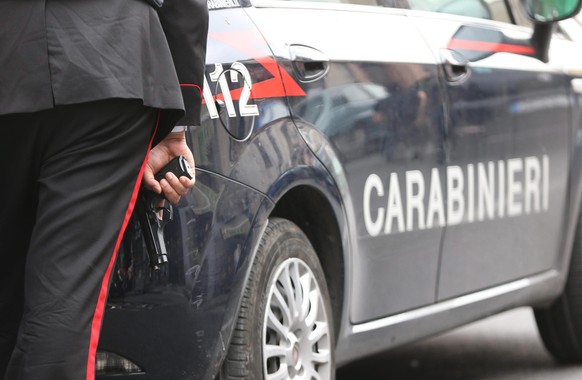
173	188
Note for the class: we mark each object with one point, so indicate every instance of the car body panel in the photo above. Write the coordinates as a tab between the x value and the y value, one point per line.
187	303
363	82
508	132
363	116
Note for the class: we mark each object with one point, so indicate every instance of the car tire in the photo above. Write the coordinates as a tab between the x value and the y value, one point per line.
279	333
560	325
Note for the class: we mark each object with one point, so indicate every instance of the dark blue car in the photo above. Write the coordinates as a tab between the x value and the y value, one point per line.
369	173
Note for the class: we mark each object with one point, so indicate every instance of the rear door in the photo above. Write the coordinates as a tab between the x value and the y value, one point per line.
372	92
507	145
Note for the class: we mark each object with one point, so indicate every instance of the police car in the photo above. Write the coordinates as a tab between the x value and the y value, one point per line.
369	173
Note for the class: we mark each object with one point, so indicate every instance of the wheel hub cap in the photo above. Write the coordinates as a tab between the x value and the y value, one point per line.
296	339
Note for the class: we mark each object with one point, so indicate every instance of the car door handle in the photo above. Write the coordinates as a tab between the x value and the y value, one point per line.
309	63
455	66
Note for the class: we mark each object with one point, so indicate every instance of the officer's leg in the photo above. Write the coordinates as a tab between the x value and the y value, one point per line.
90	173
17	210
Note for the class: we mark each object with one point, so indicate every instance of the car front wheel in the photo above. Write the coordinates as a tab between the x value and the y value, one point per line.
284	328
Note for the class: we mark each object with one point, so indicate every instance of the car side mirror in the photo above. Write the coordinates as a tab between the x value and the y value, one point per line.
549	11
544	14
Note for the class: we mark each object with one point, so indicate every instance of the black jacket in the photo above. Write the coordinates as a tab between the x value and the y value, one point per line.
57	52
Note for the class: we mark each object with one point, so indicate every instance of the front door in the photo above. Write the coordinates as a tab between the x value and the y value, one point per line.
372	92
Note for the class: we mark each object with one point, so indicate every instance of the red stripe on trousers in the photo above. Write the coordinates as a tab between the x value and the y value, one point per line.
100	308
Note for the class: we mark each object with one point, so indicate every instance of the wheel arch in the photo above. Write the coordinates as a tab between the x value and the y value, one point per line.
310	210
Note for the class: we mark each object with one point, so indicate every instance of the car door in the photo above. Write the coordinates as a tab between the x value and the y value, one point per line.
371	92
507	145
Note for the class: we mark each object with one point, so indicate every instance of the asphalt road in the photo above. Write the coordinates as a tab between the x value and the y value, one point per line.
503	347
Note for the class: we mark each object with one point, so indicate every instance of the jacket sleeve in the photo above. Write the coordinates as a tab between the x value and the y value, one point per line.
185	24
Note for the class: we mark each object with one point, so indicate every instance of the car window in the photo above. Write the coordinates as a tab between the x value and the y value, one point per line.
486	9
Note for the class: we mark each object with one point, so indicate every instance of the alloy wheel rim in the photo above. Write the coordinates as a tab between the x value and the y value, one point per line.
296	338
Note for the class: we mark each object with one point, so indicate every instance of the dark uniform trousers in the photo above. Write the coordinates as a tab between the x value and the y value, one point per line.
70	182
81	83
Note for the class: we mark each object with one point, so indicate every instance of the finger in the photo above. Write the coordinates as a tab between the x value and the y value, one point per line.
150	182
187	182
169	192
176	184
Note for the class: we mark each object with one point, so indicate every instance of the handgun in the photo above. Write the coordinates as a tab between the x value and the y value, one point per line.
154	212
